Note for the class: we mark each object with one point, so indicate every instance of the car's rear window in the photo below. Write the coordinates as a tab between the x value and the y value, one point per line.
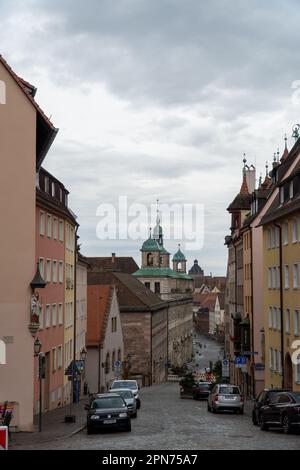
229	390
125	384
204	386
109	402
296	396
124	393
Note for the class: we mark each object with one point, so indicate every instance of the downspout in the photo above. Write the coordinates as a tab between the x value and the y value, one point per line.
99	368
281	301
75	309
252	317
150	378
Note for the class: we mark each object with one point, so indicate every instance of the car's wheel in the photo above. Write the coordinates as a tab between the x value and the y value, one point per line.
138	403
214	410
263	425
254	419
208	408
134	415
286	424
89	430
241	411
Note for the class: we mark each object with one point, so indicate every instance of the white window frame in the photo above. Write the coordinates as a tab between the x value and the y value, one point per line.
55	228
61	272
281	195
278	319
295	276
42	223
54	314
294	231
49	225
48	270
41	317
275	318
60	314
296	322
48	316
291	189
54	271
286	276
61	230
42	267
288	321
286	233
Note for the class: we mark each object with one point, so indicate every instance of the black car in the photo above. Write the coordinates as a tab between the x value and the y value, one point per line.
283	411
107	411
263	399
202	390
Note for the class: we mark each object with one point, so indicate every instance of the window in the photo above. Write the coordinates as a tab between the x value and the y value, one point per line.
60	314
60	195
113	360
53	189
294	231
288	321
61	230
59	357
286	277
49	226
296	323
279	368
275	359
270	317
54	271
114	324
281	195
147	284
278	319
42	267
48	316
41	317
291	190
269	239
275	318
295	276
48	270
54	315
286	233
55	229
61	272
271	358
157	287
270	278
46	184
42	223
277	238
54	359
275	278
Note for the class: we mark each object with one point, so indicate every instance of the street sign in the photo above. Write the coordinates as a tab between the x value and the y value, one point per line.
118	363
225	368
259	366
250	353
3	438
240	361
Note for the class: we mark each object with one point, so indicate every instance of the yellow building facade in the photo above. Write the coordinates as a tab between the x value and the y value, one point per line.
282	301
70	266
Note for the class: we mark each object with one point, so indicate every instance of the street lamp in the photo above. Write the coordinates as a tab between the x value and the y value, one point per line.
83	353
37	353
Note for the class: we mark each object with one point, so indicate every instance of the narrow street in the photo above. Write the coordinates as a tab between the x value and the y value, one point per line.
166	422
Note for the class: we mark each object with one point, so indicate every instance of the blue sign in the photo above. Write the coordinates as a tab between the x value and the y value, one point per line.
118	363
225	362
240	361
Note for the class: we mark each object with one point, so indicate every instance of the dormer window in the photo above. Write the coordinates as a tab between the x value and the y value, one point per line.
52	189
46	184
60	195
291	190
281	195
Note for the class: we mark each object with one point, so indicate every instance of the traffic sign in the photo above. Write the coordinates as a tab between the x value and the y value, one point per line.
225	368
118	364
240	361
3	438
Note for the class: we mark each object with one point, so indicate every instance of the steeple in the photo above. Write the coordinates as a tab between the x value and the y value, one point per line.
157	231
285	152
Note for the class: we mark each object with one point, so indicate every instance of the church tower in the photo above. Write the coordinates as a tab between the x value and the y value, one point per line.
179	261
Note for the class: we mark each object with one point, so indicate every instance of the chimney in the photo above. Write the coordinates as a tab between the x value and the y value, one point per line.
113	257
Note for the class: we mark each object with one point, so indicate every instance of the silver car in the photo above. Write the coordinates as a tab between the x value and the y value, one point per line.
128	384
129	399
225	397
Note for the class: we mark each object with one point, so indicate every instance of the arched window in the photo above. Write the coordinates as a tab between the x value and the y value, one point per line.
149	259
113	360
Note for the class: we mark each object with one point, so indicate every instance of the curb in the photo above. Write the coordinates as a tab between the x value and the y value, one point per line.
77	431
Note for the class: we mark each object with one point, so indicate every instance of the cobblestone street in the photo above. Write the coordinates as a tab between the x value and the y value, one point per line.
166	422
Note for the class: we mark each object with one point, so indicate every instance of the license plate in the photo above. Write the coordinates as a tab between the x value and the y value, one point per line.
228	397
110	421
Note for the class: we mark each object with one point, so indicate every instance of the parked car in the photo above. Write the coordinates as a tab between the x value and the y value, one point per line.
129	399
202	390
108	410
132	385
283	411
264	398
225	397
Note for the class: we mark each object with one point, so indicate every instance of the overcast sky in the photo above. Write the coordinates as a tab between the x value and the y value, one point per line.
158	99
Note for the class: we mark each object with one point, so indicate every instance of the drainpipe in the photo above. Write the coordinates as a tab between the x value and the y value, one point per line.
252	318
150	378
99	367
281	301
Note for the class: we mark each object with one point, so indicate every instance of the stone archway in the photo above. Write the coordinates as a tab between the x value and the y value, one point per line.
288	372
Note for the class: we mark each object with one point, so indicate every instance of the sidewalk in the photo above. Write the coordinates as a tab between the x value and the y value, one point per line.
53	426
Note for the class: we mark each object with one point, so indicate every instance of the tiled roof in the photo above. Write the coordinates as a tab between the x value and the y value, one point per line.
43	198
132	294
244	188
240	202
277	211
123	264
98	313
206	300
